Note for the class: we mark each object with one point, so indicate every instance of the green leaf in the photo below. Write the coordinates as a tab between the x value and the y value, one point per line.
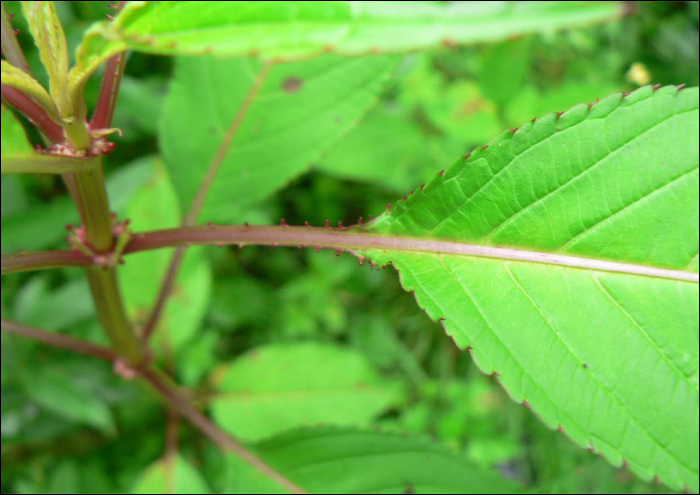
504	67
61	395
15	144
154	207
56	310
174	475
333	460
607	353
281	387
50	39
295	113
387	149
13	197
287	31
18	79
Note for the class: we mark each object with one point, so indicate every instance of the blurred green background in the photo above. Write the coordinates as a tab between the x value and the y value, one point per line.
70	426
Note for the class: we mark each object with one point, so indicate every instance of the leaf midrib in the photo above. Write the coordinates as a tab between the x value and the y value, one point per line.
356	241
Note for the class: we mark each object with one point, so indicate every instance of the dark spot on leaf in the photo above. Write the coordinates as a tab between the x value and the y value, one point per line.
292	84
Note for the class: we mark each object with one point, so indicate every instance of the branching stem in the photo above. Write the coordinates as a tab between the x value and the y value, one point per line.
198	203
165	388
227	443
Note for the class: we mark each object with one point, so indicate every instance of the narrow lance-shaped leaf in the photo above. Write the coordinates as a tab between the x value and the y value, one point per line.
286	31
235	131
565	257
18	79
50	39
335	460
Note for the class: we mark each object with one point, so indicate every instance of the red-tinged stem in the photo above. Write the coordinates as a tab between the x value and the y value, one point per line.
10	46
354	240
58	340
43	260
227	443
164	293
198	203
104	285
109	91
172	395
33	112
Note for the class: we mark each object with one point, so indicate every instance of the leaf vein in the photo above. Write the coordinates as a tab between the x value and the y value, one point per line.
591	229
582	174
601	386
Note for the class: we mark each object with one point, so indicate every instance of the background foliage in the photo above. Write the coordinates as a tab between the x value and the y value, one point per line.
242	319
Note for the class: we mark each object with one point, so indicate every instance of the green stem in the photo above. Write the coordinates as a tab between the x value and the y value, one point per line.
78	134
97	218
97	215
45	164
112	314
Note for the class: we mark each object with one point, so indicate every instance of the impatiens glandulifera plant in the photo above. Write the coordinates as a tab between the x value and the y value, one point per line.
563	256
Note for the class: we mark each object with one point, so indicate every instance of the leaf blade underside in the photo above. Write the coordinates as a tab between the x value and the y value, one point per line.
610	358
289	31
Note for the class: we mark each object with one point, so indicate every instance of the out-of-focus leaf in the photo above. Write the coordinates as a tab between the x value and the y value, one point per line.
155	207
13	198
297	111
64	479
287	31
280	387
140	105
60	395
504	67
175	476
333	460
56	309
387	148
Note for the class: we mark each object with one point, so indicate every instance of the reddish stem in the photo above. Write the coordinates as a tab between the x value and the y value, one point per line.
190	219
33	112
109	91
11	48
58	340
27	262
226	442
164	294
